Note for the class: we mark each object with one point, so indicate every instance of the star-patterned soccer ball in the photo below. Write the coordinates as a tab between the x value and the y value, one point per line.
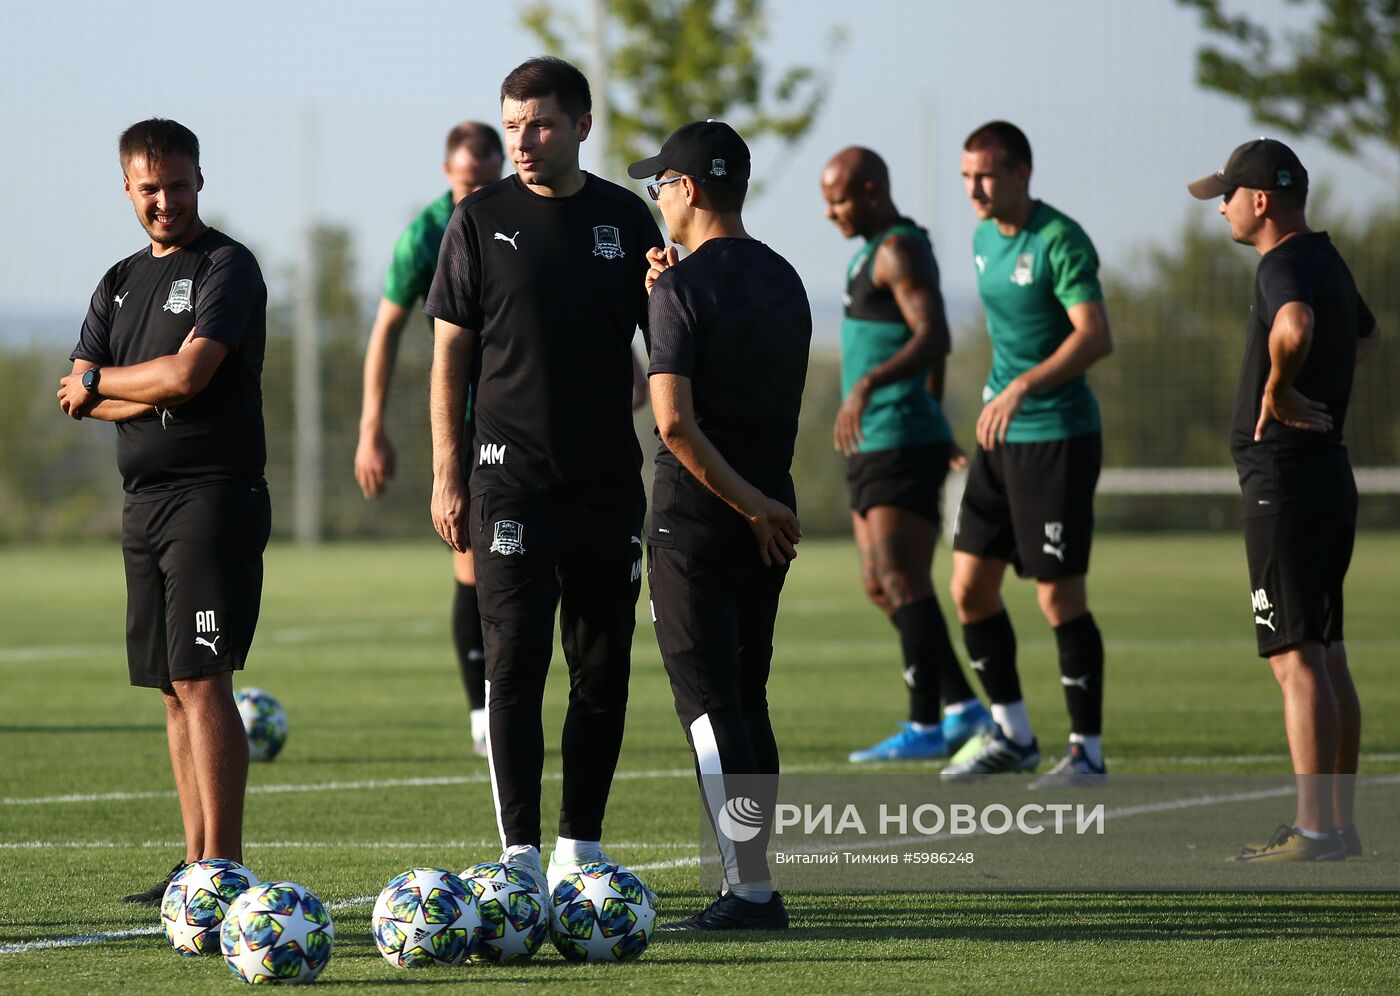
277	932
602	912
196	901
514	913
264	721
426	916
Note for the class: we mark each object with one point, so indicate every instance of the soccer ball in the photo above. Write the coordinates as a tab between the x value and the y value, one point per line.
426	916
602	912
264	721
277	932
196	900
514	913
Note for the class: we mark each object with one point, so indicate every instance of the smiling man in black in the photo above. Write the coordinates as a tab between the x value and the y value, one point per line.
1308	329
172	351
729	333
538	293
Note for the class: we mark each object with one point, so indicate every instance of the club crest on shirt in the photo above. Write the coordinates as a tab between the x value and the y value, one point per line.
1022	275
179	299
509	538
606	242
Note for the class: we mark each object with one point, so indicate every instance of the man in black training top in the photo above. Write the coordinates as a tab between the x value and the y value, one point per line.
172	351
1307	330
729	334
538	293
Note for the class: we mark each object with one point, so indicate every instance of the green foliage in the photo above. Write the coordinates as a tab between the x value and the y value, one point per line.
685	60
1339	81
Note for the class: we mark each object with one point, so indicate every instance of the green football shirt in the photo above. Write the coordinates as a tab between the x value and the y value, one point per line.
1026	282
414	262
416	254
873	330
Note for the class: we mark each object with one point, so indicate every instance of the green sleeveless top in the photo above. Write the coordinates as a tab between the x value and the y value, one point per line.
873	330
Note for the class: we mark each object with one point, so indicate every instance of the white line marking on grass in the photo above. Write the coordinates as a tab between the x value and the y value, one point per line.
372	783
368	845
1191	802
77	940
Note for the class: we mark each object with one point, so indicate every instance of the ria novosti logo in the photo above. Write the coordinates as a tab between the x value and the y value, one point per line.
741	819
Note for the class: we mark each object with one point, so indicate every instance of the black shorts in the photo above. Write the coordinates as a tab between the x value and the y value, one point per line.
1032	504
1299	531
907	477
194	577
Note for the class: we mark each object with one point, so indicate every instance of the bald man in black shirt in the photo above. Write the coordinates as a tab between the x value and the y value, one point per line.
1308	329
728	335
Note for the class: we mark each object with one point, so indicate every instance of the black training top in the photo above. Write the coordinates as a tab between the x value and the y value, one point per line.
733	317
1306	268
555	288
143	309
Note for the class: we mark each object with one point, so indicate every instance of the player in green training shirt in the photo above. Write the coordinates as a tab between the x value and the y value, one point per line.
474	158
1030	490
894	342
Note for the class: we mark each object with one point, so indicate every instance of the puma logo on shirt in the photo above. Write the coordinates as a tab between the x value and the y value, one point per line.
509	238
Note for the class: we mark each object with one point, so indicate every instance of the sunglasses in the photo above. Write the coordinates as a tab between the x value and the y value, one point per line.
654	186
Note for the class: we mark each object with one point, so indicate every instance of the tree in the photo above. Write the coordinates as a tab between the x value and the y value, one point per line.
685	60
1340	81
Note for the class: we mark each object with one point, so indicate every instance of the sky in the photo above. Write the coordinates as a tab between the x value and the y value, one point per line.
336	110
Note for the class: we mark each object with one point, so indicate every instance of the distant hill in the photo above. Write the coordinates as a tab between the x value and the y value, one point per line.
22	328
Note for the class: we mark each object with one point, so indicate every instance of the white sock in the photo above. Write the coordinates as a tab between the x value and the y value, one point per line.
529	852
479	724
924	727
1313	834
1015	723
1093	749
753	892
953	708
575	852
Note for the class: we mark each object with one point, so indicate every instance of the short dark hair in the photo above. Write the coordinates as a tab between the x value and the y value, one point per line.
724	195
473	133
547	76
1007	136
1290	198
156	138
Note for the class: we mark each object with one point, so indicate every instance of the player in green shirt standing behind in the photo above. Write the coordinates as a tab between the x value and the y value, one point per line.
894	343
1030	490
474	158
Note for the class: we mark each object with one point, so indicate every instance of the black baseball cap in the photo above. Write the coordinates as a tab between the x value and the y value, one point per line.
709	149
1263	164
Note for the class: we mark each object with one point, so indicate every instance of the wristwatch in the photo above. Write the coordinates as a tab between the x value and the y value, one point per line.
91	378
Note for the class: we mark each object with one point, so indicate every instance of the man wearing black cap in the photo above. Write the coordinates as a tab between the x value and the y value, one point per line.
728	333
1307	330
537	295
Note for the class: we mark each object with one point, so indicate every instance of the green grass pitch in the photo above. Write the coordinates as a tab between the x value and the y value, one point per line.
354	642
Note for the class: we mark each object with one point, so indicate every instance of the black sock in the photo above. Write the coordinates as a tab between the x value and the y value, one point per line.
991	650
921	630
1081	673
924	635
466	633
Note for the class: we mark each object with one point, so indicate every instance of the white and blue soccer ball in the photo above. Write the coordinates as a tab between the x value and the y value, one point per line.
196	900
514	912
277	932
264	721
602	912
426	916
